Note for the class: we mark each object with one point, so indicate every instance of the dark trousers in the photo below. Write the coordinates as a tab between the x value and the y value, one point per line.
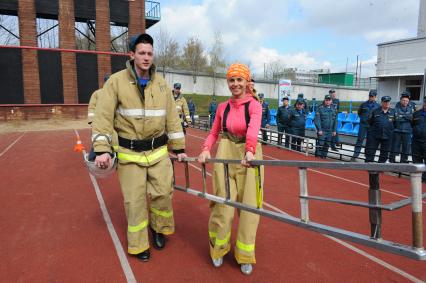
362	133
296	142
334	140
401	144
324	142
191	114
264	135
212	120
373	144
419	154
282	130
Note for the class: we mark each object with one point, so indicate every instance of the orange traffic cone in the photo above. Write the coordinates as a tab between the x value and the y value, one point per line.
79	146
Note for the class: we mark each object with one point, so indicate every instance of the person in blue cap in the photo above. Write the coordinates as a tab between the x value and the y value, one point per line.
418	145
380	133
297	124
364	111
401	141
266	117
326	125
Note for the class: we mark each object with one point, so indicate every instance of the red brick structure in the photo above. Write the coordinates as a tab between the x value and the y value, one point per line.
28	37
136	17
103	39
67	41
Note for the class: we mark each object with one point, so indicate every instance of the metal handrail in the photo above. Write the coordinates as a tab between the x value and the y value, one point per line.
152	9
416	251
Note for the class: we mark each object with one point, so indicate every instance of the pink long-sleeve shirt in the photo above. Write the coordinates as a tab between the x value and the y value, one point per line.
236	122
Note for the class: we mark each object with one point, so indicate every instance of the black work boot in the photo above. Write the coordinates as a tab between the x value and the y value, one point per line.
144	256
158	239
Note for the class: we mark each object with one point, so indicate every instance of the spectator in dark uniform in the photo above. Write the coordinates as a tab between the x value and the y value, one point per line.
191	108
336	102
411	103
401	140
326	125
297	124
305	102
418	145
212	110
283	121
364	111
380	133
314	105
266	117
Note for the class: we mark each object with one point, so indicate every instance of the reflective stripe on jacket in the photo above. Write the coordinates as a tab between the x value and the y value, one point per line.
137	115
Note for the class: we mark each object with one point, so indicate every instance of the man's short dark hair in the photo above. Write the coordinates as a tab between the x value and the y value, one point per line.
140	38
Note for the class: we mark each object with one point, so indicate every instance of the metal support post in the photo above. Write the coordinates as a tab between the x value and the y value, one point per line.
374	198
417	220
204	176
187	185
304	202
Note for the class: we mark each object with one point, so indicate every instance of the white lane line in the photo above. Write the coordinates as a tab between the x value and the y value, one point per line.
117	244
361	252
330	175
349	246
12	144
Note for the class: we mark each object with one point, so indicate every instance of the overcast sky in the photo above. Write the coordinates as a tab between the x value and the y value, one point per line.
307	34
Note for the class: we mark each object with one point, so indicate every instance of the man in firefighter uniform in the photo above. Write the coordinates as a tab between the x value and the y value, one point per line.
139	106
297	124
418	145
181	106
326	125
381	122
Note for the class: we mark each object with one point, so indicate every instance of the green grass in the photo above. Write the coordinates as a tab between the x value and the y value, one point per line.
202	103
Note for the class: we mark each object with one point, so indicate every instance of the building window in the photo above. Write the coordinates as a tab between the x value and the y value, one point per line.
414	87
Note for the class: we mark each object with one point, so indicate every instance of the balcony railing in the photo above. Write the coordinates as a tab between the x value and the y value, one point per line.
152	10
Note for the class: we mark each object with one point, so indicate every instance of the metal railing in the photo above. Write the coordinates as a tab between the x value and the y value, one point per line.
152	10
374	205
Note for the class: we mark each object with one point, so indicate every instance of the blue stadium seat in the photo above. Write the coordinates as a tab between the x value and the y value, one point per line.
339	126
347	128
309	124
341	116
356	129
351	118
311	115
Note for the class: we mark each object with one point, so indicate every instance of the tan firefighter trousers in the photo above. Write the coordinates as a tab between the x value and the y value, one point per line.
245	187
138	183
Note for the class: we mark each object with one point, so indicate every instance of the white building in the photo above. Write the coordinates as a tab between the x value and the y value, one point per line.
401	64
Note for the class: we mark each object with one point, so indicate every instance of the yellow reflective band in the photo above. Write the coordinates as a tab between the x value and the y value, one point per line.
162	213
244	247
137	228
259	191
143	158
212	234
221	242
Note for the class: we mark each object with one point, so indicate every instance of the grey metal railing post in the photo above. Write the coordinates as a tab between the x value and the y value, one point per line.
374	198
417	219
204	176
187	185
304	202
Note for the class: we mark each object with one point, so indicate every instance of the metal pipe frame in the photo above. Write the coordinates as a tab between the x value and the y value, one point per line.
416	251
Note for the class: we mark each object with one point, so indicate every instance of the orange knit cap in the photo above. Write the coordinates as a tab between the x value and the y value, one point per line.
238	70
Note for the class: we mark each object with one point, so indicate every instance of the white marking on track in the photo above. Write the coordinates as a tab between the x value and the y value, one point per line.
125	265
12	144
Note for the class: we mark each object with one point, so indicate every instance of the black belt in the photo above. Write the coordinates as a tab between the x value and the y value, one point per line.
143	145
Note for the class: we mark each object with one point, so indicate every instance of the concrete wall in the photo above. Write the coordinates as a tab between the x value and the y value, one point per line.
204	85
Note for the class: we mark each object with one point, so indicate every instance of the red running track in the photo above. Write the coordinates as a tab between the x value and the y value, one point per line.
52	228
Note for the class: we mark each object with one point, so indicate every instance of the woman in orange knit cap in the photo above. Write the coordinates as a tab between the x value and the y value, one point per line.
238	120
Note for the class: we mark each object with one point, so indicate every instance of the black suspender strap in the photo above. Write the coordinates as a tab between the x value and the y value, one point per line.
226	112
225	117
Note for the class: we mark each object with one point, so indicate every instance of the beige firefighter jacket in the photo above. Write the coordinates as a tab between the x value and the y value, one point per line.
123	108
92	105
182	109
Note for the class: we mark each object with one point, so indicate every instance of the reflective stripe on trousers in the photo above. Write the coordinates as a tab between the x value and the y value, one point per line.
244	189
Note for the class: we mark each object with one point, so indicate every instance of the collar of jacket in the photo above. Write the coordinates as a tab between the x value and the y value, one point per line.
130	64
